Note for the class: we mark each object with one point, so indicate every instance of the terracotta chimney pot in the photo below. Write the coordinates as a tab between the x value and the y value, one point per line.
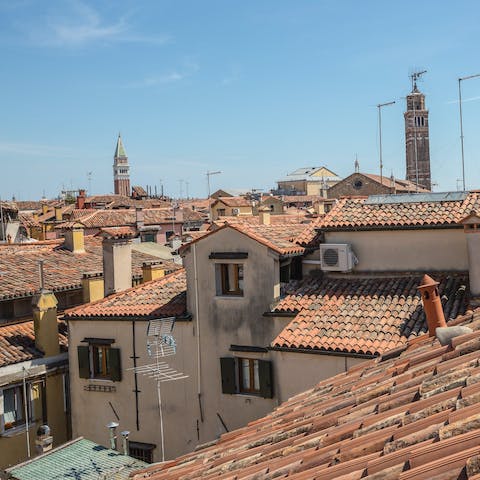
432	304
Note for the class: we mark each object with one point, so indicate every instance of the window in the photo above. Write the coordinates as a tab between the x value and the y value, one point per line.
221	212
229	279
358	184
141	451
246	375
99	360
13	407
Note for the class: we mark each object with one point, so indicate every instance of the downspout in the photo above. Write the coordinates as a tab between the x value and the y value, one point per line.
197	321
135	375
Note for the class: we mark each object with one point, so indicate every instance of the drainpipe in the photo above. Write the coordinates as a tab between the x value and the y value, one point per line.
197	321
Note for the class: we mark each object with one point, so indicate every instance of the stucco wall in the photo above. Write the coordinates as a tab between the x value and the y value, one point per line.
405	250
297	372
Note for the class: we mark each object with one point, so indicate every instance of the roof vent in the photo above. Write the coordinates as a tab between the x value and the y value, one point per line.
337	257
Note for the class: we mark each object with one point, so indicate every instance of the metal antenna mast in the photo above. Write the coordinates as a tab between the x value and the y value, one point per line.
379	106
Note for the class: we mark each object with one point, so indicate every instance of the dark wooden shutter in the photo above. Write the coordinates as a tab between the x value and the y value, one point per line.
114	364
227	367
83	361
266	378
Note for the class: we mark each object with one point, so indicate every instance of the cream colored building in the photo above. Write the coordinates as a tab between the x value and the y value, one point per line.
308	181
231	206
33	383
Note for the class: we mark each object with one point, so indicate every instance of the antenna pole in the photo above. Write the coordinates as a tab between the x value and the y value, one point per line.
379	106
41	274
461	120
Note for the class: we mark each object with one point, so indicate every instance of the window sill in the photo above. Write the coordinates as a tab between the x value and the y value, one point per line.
18	430
229	296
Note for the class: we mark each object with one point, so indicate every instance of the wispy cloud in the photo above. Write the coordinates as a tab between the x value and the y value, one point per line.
81	25
171	76
232	76
34	150
464	100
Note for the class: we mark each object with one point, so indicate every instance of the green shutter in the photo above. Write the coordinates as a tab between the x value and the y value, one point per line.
227	367
114	364
266	378
83	361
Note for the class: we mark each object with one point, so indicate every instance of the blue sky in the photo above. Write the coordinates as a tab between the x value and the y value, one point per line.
252	88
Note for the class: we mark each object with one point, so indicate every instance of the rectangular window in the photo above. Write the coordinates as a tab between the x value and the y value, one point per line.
230	277
247	376
221	212
13	407
249	380
99	360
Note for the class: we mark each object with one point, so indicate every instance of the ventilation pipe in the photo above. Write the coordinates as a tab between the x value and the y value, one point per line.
112	428
432	304
125	445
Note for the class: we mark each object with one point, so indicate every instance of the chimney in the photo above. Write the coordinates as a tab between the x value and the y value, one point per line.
153	270
432	304
264	216
319	207
80	203
45	319
92	287
471	227
74	238
44	208
44	440
117	263
58	214
139	218
35	216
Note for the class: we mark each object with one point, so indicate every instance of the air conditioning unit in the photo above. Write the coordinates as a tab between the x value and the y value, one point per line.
235	211
337	257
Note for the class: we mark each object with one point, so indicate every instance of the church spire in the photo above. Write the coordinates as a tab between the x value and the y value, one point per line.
121	170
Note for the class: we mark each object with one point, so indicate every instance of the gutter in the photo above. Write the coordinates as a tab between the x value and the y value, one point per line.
366	356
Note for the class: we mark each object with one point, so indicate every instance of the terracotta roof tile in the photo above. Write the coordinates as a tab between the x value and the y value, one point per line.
17	342
163	297
356	213
367	315
314	435
63	269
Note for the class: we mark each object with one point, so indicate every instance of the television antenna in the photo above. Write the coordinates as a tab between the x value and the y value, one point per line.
160	344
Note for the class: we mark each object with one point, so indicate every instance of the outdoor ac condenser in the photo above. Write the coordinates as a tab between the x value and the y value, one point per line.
337	257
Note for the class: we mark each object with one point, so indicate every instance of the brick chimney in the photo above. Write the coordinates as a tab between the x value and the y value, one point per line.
153	270
432	304
264	216
45	320
471	226
117	263
74	238
80	202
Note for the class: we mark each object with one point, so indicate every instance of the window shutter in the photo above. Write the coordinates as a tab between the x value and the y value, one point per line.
114	364
83	361
227	367
265	377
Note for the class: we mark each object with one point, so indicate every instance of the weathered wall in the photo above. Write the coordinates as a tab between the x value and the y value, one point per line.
405	250
357	184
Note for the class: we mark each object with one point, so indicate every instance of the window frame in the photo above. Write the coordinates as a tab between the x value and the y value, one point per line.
253	376
104	360
224	278
18	424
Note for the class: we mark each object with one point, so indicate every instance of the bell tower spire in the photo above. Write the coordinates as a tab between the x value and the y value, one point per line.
121	170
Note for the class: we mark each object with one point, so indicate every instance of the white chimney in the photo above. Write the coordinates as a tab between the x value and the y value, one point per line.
117	263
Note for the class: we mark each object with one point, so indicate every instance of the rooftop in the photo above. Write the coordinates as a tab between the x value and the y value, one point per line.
410	414
79	459
420	211
17	342
164	297
63	269
363	315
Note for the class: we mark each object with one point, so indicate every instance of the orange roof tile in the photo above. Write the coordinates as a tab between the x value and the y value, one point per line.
357	213
366	315
63	269
360	424
163	297
17	342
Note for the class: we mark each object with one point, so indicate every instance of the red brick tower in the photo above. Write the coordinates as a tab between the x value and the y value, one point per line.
121	170
417	142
